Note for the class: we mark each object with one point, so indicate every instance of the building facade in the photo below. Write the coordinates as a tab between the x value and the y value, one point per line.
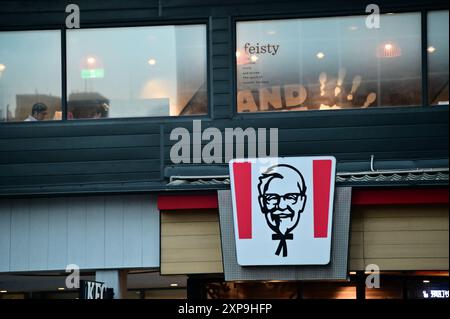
124	172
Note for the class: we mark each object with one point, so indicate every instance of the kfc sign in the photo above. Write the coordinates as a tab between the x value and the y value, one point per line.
283	210
95	290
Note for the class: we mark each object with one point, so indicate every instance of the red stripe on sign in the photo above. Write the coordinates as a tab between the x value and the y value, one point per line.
243	197
321	188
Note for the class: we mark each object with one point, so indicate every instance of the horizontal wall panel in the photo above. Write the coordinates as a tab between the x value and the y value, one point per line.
208	267
405	224
61	143
223	111
354	157
181	229
77	180
357	224
221	61
403	237
137	10
356	264
221	74
189	216
78	129
191	255
95	167
392	211
400	237
380	118
53	18
357	237
409	263
353	145
190	242
363	118
221	37
356	251
76	155
220	48
406	251
222	98
332	147
357	132
220	23
47	6
335	133
94	232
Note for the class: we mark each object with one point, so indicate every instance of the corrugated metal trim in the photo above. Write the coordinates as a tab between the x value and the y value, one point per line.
376	176
409	177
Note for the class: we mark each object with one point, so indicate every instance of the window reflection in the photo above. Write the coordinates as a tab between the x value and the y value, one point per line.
438	57
137	72
87	105
30	76
328	63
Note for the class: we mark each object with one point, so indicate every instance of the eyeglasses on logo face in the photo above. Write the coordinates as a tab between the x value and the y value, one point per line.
275	199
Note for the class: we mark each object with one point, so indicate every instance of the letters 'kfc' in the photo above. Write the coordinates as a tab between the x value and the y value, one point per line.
283	210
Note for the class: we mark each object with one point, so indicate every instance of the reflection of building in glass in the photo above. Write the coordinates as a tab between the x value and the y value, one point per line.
197	104
438	37
87	105
5	113
162	69
338	64
24	103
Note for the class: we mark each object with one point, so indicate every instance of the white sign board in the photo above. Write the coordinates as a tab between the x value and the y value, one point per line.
283	210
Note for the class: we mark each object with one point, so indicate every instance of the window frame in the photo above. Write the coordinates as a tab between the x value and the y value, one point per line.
64	94
40	28
357	111
426	56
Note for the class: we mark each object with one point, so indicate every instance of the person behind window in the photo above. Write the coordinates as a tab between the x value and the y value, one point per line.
101	111
38	112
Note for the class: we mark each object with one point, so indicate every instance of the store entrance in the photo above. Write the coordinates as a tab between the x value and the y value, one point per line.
393	285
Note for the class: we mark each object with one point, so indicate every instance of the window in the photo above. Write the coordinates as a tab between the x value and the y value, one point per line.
30	76
438	57
328	63
136	72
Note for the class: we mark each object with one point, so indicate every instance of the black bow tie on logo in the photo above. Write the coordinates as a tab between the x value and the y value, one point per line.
282	245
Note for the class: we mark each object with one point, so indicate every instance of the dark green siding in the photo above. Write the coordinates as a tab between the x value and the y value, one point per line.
111	154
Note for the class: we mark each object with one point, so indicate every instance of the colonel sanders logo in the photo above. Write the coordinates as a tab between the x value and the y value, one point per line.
282	198
283	210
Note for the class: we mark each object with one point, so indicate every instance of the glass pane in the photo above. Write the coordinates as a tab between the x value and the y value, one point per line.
391	288
30	76
328	63
136	72
312	290
438	57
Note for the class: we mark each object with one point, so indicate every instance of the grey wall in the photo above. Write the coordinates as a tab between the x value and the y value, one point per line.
97	232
